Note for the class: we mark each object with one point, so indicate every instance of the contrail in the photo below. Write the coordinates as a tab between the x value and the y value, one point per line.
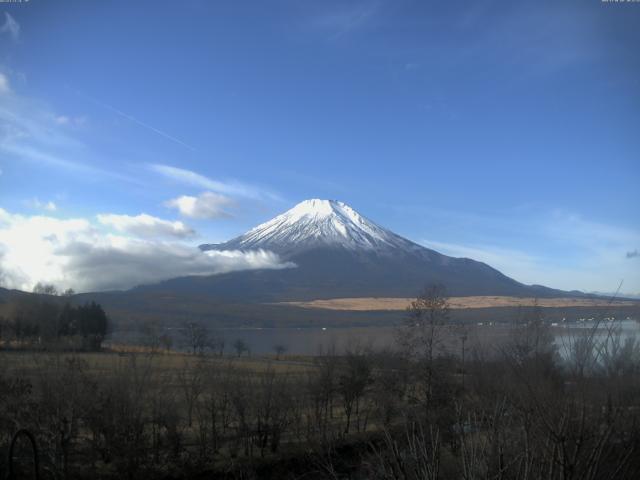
135	120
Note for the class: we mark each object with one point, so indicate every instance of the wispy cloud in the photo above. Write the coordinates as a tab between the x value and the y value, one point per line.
38	205
206	205
137	121
510	261
146	226
191	178
10	27
4	84
559	249
71	120
541	41
346	18
633	254
38	156
532	269
31	131
573	226
27	120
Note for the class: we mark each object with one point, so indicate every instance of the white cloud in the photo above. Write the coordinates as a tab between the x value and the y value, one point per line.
73	253
205	205
28	244
11	27
37	204
67	120
563	250
194	179
4	84
146	226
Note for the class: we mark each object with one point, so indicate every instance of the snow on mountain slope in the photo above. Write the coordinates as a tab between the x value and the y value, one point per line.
338	253
313	223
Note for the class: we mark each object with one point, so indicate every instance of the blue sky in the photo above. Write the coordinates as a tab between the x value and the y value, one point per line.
502	131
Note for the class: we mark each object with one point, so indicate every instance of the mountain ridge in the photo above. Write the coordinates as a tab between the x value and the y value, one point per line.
340	253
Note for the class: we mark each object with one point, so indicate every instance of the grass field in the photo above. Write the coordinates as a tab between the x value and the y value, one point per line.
397	304
32	363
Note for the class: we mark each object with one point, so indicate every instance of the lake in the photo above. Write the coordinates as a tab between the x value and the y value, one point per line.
313	340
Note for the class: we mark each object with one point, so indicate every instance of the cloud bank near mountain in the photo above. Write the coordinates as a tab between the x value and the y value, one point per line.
146	226
78	253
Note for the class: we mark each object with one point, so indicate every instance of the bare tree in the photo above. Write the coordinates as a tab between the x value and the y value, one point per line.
152	331
217	343
166	341
45	289
240	347
65	387
191	381
118	411
415	455
196	337
352	385
214	411
280	350
272	412
321	384
422	335
531	337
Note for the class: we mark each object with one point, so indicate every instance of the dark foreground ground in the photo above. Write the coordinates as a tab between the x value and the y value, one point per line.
520	410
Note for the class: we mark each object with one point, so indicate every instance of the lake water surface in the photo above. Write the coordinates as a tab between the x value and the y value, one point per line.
313	340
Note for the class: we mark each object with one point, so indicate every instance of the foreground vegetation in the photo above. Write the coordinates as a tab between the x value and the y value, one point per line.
413	413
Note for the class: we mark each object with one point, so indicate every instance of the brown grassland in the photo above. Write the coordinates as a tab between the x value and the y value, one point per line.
390	303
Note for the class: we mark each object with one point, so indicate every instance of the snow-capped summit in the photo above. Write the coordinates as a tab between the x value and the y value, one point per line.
338	253
314	223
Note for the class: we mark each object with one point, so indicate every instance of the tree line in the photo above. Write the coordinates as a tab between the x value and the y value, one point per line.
46	320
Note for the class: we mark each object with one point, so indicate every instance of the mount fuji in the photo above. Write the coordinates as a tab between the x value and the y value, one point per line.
338	253
316	224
